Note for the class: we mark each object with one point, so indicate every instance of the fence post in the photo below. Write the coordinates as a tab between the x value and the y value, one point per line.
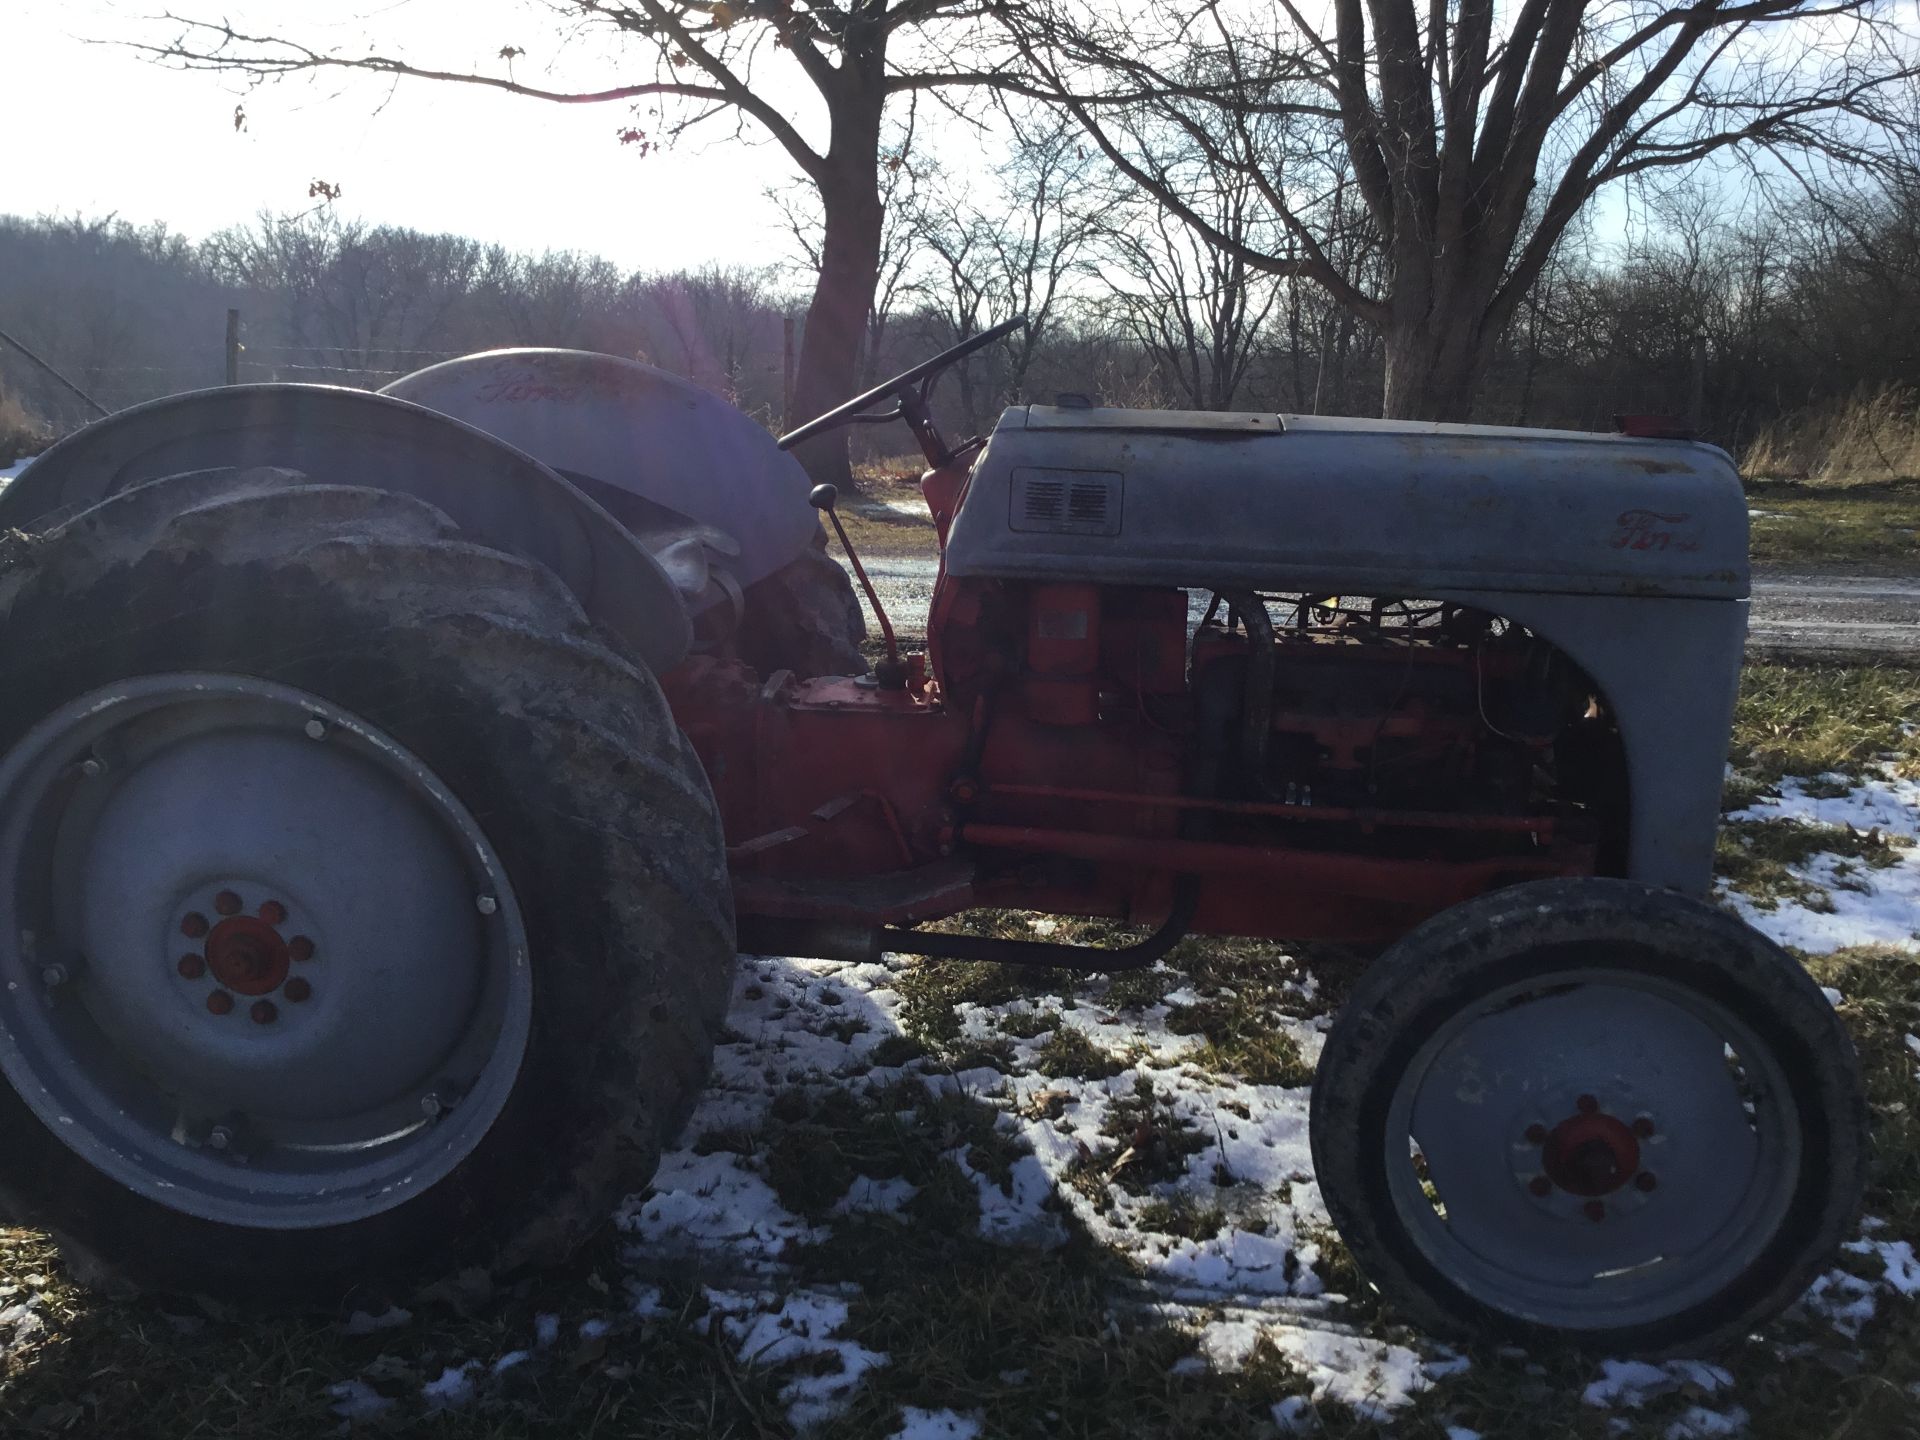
233	347
786	375
1697	417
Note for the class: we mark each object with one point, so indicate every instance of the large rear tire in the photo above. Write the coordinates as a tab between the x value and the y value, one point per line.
1590	1112
805	618
363	915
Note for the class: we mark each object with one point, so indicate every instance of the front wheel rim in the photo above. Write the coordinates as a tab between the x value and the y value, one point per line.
1593	1150
258	964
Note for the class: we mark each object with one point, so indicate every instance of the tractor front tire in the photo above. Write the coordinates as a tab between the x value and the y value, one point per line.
1589	1112
364	915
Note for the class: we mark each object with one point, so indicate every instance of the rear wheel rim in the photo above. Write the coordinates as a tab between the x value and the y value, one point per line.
258	964
1593	1150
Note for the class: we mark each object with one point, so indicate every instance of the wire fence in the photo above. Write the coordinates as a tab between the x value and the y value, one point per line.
64	394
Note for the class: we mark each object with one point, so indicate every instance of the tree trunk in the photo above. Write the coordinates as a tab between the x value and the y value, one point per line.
1433	365
836	325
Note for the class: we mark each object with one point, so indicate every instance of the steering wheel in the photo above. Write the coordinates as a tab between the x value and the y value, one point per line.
909	390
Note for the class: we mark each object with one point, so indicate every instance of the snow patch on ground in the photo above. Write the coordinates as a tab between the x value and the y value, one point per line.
801	1329
19	1323
1845	1300
1629	1384
793	1023
913	508
453	1389
361	1323
1699	1423
1870	906
1372	1377
916	1424
1900	1270
1255	1281
357	1400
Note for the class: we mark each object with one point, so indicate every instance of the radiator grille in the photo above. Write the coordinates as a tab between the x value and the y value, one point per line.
1066	502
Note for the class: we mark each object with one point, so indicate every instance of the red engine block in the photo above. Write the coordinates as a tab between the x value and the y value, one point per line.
1058	759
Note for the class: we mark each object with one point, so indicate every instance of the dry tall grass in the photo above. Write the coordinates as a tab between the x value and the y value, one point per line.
1873	435
21	433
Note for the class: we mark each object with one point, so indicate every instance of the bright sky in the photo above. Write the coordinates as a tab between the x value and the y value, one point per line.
93	129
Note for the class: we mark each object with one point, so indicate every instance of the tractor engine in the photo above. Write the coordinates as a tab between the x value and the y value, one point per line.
1382	730
1310	765
1382	707
1369	720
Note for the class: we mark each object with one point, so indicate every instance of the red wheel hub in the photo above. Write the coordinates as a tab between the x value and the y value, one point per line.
1591	1154
247	955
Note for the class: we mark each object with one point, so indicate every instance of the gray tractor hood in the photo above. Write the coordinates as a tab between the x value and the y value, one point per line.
1146	497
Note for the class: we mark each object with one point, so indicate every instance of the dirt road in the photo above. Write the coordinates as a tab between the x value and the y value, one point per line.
1851	616
1854	616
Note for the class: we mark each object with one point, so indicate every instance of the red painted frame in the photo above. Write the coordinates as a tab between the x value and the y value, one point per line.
973	786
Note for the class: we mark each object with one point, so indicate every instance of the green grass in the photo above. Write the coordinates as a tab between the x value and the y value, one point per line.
1067	1052
1146	1143
1037	1342
1809	719
1182	1216
888	517
1871	527
1757	858
136	1371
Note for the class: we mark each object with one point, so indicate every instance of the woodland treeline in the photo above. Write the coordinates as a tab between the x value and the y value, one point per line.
1747	321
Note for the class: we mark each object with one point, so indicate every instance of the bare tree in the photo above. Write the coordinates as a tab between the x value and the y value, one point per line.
352	300
1195	306
1051	192
984	249
704	60
1452	115
800	207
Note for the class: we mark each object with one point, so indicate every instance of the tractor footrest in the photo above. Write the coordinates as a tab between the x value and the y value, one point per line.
900	897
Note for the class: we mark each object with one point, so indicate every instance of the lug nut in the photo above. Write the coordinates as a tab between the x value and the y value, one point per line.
1596	1210
273	912
1540	1186
191	967
264	1012
220	1002
194	925
316	729
1643	1127
51	975
227	903
93	767
430	1105
297	990
1536	1134
1645	1180
219	1138
487	904
1586	1104
300	948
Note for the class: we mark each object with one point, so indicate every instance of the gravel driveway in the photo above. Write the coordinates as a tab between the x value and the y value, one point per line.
1854	616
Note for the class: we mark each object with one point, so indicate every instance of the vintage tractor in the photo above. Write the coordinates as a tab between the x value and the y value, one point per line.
382	779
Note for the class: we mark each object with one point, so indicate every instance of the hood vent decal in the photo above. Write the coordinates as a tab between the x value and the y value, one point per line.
1066	502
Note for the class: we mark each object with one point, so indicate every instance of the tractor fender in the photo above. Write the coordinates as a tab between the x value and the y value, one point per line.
498	494
1669	669
628	432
